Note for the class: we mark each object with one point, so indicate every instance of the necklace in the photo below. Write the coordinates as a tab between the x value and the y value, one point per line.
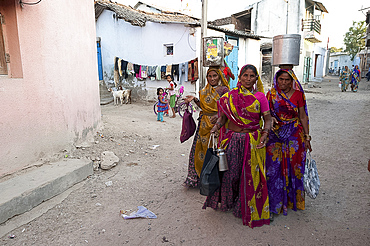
286	93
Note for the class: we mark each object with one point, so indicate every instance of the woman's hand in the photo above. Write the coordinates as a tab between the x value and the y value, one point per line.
273	122
307	144
263	141
189	98
214	129
213	119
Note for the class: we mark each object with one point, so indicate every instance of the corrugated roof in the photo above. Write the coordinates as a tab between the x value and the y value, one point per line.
139	18
320	7
235	32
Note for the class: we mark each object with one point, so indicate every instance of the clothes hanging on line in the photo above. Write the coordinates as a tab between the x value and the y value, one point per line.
186	71
175	71
124	68
193	70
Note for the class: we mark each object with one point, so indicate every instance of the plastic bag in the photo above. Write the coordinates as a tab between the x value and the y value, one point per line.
311	179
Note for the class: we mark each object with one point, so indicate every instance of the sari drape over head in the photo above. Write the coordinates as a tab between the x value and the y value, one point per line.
243	108
355	79
286	153
208	98
344	78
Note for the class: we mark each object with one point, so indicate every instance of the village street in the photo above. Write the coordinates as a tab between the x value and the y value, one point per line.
153	177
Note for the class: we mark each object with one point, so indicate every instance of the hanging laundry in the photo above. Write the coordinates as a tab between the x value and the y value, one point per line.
130	68
144	71
124	68
158	73
163	72
168	69
151	71
175	71
193	74
119	67
183	72
116	63
137	69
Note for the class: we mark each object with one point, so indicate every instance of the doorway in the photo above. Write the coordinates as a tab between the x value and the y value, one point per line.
232	59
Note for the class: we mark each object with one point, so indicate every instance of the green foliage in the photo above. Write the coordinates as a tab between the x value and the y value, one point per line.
335	49
354	38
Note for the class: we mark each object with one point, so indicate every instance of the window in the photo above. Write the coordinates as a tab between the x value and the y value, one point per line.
168	49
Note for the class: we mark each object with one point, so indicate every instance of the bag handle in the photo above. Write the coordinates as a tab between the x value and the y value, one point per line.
212	136
308	154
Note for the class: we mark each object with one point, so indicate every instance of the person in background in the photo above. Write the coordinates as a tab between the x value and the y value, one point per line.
208	97
162	104
356	78
345	78
243	187
172	93
368	75
287	143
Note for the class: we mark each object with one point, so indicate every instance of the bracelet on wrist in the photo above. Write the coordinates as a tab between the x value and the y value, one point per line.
307	137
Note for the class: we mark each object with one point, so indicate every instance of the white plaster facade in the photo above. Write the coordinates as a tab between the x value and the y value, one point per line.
145	46
270	18
341	59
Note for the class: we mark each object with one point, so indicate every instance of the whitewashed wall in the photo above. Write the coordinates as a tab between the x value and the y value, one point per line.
143	46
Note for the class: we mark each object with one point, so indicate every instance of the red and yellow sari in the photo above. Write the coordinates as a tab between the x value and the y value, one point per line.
243	187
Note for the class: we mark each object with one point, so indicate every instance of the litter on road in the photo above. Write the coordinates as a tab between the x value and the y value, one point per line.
143	212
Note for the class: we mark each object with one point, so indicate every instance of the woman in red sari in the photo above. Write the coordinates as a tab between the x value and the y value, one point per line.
243	186
288	141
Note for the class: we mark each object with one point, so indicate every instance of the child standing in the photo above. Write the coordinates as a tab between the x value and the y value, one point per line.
172	94
162	104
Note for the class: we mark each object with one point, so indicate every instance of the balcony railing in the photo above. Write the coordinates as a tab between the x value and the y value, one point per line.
311	25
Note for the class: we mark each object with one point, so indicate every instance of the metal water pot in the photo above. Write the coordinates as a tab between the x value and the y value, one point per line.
222	160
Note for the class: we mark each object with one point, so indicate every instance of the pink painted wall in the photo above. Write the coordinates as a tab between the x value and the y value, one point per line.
50	99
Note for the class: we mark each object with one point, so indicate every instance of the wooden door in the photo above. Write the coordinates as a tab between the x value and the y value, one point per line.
3	65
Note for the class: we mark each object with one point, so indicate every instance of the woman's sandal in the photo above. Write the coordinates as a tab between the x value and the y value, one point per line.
271	217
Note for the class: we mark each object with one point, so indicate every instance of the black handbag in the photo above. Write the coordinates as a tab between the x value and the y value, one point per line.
209	178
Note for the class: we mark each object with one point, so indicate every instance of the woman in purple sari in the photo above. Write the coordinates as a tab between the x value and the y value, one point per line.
287	144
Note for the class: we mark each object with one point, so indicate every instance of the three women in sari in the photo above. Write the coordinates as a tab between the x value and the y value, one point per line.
208	97
243	186
266	166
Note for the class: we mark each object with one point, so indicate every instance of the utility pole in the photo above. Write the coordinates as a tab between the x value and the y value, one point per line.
287	10
203	33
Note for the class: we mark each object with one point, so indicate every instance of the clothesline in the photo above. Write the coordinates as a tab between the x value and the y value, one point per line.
187	70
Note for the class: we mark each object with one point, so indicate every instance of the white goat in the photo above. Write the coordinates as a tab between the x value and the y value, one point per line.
117	95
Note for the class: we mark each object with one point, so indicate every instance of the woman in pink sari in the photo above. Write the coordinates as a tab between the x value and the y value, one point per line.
243	186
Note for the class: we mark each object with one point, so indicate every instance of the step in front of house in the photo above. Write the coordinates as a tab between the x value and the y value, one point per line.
24	192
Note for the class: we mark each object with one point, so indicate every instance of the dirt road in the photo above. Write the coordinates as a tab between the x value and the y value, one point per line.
90	215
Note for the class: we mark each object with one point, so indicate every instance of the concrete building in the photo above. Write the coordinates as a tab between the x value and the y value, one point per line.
339	60
269	18
143	35
49	86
